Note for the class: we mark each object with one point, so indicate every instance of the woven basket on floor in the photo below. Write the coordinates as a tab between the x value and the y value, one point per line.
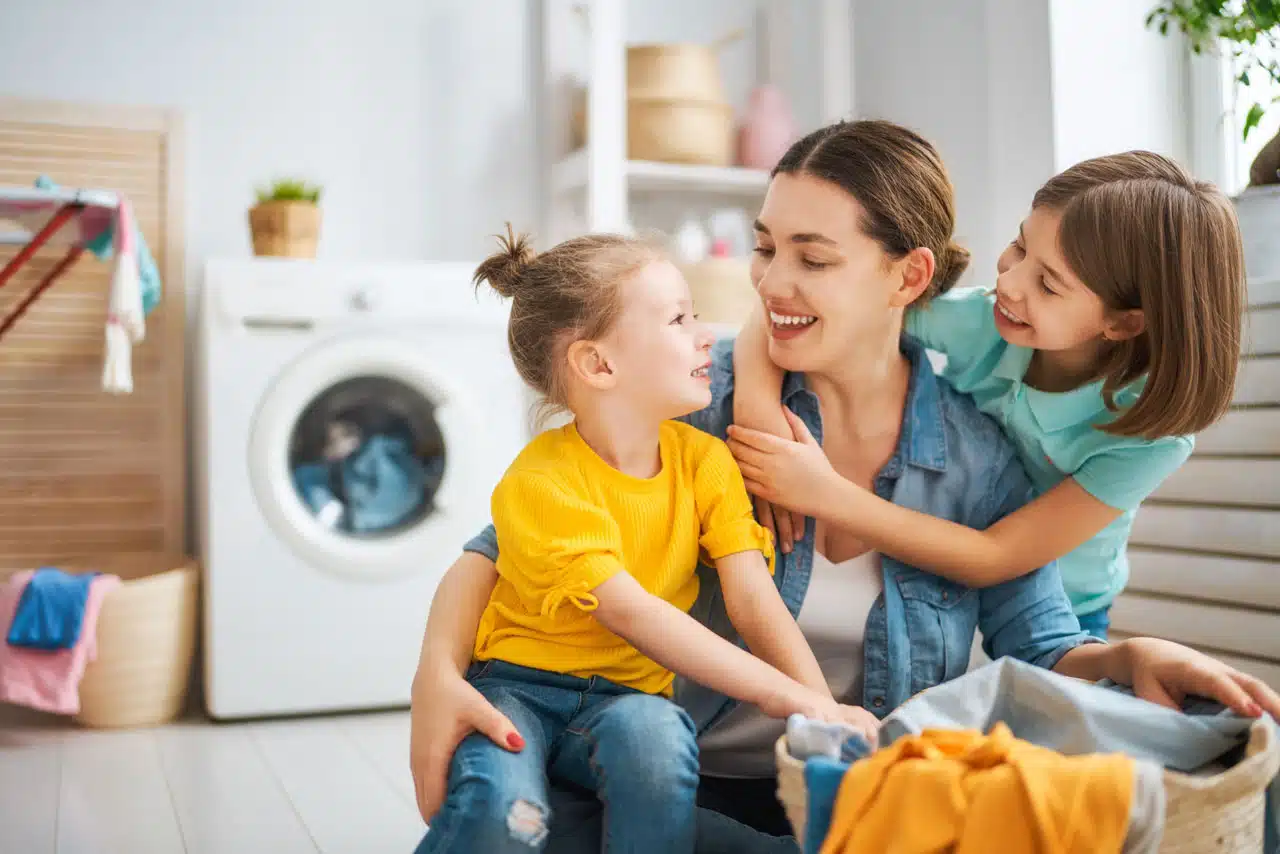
1217	814
146	635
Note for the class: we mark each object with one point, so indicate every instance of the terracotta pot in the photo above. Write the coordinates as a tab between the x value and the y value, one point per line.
285	229
1263	171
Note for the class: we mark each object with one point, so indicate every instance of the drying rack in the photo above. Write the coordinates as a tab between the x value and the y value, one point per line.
43	216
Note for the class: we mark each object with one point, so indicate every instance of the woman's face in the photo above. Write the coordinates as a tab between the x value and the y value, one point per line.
825	285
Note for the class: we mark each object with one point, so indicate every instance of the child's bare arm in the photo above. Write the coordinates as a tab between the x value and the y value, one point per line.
761	617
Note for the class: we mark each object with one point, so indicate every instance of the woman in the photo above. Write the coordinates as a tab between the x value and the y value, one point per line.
855	227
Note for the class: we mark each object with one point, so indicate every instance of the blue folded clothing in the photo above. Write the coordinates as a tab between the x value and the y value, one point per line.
51	610
379	486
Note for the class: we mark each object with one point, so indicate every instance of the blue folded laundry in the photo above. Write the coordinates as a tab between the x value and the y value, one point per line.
51	610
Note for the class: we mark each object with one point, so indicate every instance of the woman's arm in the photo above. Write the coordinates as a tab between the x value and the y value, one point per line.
758	613
680	643
757	388
445	708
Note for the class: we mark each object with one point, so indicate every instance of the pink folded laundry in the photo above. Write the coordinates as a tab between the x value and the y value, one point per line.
48	680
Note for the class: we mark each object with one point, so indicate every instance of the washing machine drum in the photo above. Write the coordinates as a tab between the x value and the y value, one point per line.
352	455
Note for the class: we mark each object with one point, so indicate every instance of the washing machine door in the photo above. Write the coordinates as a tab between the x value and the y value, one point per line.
355	454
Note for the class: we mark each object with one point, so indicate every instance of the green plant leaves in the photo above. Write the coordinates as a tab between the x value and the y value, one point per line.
290	190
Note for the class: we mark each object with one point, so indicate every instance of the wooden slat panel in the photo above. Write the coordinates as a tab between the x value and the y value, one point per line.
1238	630
1228	580
1258	382
1248	533
1250	483
1243	432
1262	331
1267	671
87	475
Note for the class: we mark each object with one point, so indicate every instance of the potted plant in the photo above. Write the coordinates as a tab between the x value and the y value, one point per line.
286	220
1248	28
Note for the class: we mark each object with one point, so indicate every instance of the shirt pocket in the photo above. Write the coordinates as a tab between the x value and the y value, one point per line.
942	617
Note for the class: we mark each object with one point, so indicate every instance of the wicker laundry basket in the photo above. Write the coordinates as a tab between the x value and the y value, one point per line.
146	636
1216	814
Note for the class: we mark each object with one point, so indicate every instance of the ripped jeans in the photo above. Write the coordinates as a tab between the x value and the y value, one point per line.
636	751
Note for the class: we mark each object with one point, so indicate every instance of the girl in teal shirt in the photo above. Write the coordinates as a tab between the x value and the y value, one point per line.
1111	337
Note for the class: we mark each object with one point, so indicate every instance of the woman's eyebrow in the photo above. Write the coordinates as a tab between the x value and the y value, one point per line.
802	237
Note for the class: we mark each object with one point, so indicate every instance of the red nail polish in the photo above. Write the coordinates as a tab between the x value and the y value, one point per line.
514	741
1255	711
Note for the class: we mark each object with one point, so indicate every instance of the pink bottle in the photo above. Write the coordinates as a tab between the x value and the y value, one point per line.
767	129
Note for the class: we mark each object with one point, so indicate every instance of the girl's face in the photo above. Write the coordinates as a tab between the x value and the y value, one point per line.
1040	303
824	283
658	353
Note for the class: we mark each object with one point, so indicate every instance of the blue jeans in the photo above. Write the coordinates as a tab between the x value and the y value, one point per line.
1096	623
637	753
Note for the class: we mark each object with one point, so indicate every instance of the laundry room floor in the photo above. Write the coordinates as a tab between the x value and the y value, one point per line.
325	785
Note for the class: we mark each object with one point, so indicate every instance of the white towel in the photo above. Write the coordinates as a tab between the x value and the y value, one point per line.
126	322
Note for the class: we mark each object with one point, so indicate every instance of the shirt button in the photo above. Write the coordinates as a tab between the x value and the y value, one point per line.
878	702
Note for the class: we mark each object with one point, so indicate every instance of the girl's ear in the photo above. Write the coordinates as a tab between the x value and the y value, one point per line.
589	363
1124	325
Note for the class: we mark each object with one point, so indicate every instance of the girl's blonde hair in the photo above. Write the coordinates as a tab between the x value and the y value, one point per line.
566	294
1142	233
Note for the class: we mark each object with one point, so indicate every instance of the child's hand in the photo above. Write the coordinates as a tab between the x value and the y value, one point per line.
796	474
863	721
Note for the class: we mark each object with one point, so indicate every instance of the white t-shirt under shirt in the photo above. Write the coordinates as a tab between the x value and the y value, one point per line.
833	619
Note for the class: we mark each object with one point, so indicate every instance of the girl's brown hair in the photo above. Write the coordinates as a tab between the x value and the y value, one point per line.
899	179
1142	233
566	294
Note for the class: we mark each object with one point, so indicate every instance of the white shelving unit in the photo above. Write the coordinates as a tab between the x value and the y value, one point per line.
595	187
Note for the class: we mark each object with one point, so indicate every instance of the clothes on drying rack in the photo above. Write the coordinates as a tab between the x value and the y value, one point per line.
51	610
378	485
49	679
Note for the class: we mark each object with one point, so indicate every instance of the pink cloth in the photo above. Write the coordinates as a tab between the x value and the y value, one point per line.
48	680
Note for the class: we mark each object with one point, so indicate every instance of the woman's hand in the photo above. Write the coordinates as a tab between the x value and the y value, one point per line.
796	475
1167	673
446	709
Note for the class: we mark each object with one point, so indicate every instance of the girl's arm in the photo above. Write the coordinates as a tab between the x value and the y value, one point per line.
680	643
1049	527
761	617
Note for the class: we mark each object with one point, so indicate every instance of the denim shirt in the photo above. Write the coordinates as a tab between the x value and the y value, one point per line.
953	462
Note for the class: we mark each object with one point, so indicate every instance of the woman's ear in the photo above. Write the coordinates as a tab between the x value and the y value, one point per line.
917	269
1123	325
589	363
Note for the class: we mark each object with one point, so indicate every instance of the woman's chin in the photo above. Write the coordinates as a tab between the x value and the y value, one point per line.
790	355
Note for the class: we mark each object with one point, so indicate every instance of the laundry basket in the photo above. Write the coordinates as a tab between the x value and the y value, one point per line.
146	636
1214	814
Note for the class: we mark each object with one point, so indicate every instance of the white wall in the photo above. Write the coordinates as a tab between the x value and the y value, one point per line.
1116	85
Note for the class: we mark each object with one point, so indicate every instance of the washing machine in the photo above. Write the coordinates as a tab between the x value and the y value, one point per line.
350	424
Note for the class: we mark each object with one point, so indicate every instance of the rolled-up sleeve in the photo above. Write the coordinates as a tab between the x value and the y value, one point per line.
728	525
556	546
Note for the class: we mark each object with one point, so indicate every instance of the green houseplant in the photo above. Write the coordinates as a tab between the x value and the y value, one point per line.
285	222
1249	29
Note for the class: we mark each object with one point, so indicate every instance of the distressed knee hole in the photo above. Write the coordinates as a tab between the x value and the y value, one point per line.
527	823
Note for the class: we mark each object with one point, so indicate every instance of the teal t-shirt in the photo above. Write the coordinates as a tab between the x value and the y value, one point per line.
1054	433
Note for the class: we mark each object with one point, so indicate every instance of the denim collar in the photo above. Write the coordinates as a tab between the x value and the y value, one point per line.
923	440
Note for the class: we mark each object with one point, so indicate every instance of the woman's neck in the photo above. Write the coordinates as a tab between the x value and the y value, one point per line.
621	438
863	398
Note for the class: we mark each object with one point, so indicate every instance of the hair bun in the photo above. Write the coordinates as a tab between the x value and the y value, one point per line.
504	270
951	266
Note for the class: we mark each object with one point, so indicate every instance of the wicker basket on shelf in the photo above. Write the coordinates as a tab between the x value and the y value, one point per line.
1212	814
146	636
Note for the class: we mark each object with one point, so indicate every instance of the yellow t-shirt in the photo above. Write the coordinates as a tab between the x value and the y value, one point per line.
567	522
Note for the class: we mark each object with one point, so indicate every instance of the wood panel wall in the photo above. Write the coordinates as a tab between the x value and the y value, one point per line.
85	475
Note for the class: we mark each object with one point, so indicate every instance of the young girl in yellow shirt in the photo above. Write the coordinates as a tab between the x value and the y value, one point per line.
600	525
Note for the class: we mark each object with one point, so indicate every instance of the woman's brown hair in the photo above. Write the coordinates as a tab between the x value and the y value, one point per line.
899	179
1142	233
566	294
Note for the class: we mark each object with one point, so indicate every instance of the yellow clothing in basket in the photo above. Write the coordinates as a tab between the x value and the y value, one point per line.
567	522
967	793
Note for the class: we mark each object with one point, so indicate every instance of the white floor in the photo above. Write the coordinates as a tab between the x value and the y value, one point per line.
334	785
